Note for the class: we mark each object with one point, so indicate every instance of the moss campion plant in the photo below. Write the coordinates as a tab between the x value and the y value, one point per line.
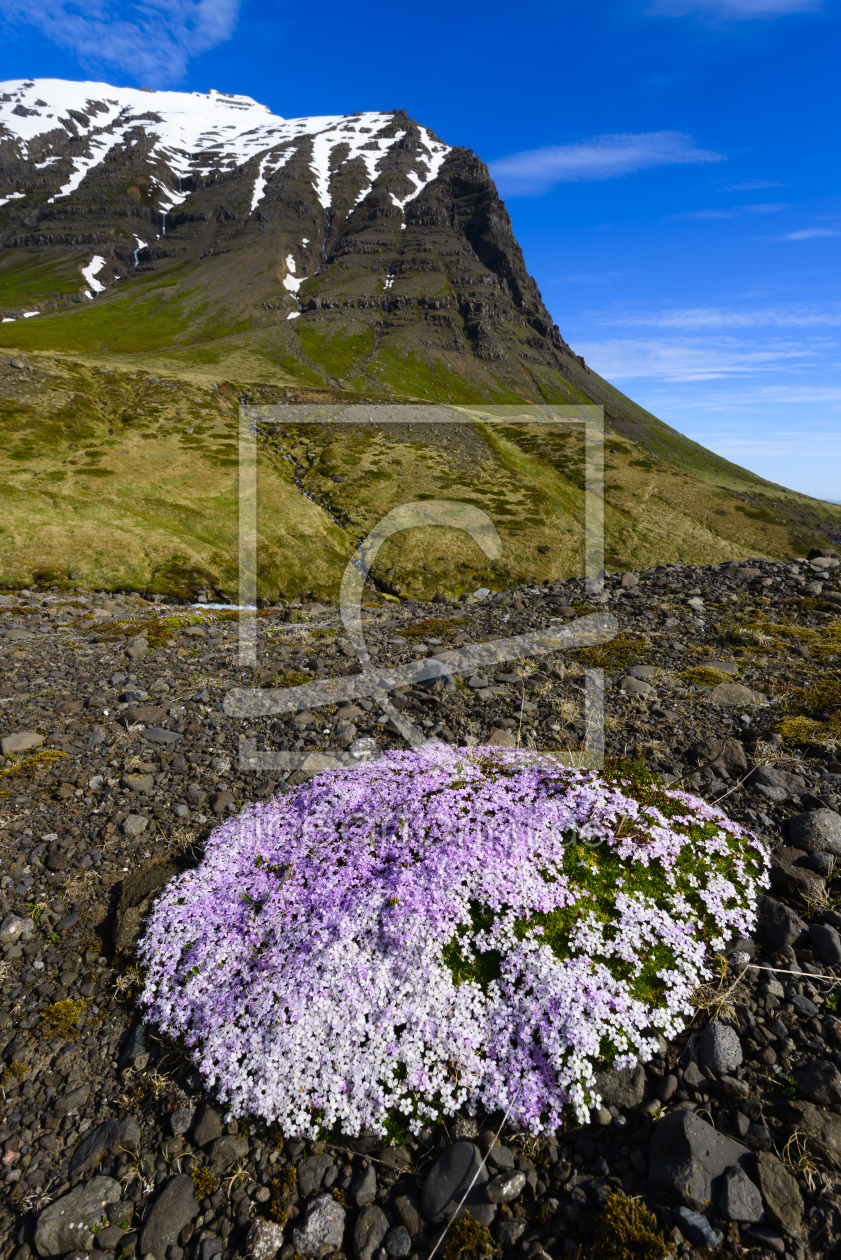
444	929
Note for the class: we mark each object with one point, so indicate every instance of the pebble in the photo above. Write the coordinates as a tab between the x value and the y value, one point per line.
448	1180
697	1229
370	1230
719	1048
323	1228
506	1187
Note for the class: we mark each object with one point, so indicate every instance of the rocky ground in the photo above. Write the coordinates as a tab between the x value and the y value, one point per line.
118	757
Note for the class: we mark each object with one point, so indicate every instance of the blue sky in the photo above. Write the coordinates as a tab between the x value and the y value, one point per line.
671	168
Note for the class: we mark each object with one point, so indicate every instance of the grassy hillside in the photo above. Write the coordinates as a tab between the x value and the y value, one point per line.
118	477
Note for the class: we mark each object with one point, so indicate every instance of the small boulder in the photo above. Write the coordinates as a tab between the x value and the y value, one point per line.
226	1150
724	754
827	942
777	925
688	1160
135	1053
369	1232
138	782
719	1048
739	1199
621	1087
20	741
219	801
322	1230
697	1228
506	1187
820	1082
67	1225
134	825
311	1174
363	1188
729	694
174	1208
822	1128
72	1101
780	1193
448	1180
105	1140
818	831
209	1125
12	929
635	686
265	1239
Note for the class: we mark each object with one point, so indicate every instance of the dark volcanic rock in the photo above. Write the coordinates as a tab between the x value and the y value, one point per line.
448	1180
820	1082
174	1208
688	1159
778	925
67	1224
780	1193
106	1139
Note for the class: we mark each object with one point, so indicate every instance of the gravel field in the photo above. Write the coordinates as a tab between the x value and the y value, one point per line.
119	757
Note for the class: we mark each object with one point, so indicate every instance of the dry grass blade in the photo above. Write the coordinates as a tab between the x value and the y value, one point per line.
819	901
129	984
797	1159
715	997
39	1198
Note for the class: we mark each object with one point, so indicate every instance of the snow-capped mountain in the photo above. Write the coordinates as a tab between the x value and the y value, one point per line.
52	124
350	248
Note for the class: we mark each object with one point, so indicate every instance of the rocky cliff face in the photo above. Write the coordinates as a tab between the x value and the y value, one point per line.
358	246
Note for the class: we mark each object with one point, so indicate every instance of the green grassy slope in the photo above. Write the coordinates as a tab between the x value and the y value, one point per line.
116	477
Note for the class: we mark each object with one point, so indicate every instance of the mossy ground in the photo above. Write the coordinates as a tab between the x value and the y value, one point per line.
62	1019
813	714
618	653
705	676
468	1240
627	1230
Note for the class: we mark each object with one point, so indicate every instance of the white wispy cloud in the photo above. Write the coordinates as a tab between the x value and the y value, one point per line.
808	234
535	171
730	212
698	317
735	10
152	42
693	359
763	394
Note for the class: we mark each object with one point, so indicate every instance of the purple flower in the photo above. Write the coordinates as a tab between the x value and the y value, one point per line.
439	929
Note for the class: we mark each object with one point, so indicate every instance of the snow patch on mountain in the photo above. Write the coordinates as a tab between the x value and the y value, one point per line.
195	135
90	272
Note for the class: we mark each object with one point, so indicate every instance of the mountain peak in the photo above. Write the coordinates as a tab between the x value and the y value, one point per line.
65	130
